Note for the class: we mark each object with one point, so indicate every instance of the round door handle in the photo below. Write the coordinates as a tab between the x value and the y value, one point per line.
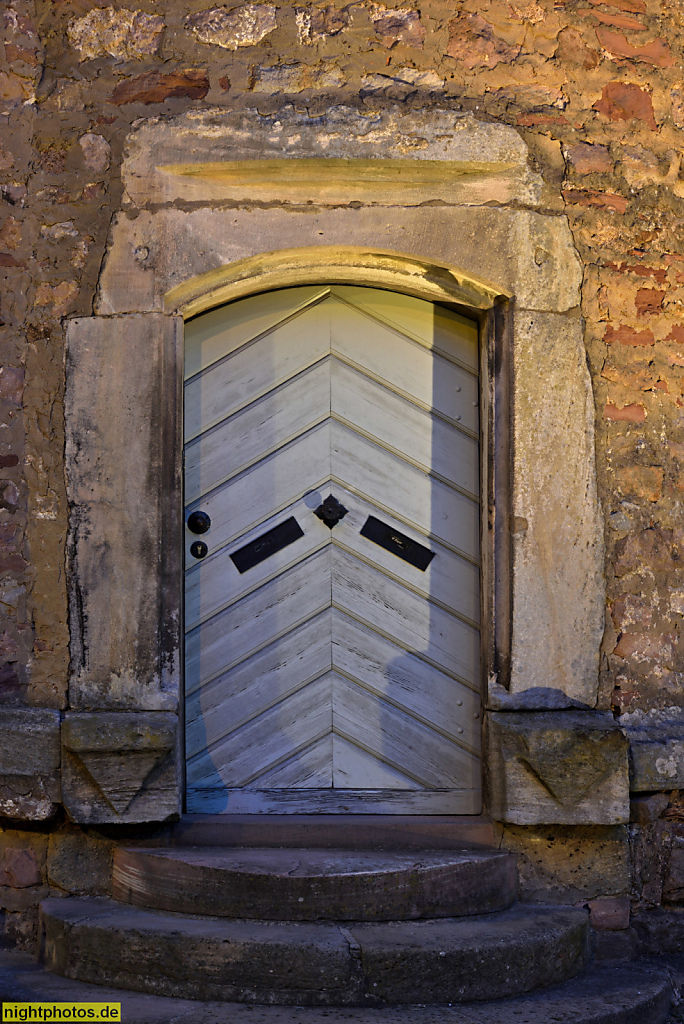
198	522
199	549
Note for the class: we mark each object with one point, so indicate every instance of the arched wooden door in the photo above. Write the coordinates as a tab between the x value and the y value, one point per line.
332	628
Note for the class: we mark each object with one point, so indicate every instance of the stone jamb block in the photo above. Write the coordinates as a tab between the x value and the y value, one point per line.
123	467
29	763
121	766
557	767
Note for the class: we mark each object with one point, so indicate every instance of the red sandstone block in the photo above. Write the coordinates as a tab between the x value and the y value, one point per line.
155	87
609	913
656	52
587	197
632	413
19	869
648	300
622	101
625	335
589	159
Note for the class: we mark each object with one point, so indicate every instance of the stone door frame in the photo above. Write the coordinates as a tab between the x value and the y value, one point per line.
221	205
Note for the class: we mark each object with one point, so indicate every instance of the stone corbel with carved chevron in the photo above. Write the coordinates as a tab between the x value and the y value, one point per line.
558	767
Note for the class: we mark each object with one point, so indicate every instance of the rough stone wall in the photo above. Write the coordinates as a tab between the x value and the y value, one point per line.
595	89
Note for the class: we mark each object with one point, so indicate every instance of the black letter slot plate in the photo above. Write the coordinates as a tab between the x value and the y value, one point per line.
398	543
267	544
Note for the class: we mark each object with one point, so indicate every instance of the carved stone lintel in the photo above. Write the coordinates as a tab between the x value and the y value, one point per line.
557	767
121	766
29	763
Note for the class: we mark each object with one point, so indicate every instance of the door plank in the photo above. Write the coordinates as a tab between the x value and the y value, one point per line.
234	697
394	674
449	579
214	583
258	619
267	740
263	427
220	800
407	367
436	326
258	494
393	484
309	769
215	334
432	444
372	598
400	741
354	768
255	369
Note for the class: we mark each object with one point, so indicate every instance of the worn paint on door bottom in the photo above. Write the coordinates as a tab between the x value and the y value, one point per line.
332	646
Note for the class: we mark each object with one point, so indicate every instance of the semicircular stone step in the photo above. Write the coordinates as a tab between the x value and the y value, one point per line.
307	964
315	885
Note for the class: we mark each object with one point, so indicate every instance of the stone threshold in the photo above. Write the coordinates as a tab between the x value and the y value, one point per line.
335	831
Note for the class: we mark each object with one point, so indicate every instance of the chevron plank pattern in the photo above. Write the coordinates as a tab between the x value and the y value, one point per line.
333	674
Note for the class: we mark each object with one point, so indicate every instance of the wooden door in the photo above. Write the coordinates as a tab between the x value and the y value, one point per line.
332	647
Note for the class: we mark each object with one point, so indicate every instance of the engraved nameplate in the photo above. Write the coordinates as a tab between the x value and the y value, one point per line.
266	545
398	543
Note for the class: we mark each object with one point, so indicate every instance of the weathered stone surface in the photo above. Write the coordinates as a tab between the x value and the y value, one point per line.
558	551
656	749
96	151
155	87
646	809
123	483
397	25
557	767
606	993
478	151
23	901
589	159
616	945
296	77
318	23
311	884
173	955
434	961
157	251
120	767
475	42
609	914
673	882
660	929
19	868
570	863
116	32
622	101
29	763
80	862
538	698
403	82
233	27
14	91
314	964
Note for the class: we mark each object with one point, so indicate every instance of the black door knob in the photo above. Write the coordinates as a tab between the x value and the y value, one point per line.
198	522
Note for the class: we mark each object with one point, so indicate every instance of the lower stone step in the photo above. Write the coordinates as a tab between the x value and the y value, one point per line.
313	884
636	993
450	960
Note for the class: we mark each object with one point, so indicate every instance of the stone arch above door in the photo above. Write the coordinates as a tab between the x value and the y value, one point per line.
212	202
